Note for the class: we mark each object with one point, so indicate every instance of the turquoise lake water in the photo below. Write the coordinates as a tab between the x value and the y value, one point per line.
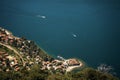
89	30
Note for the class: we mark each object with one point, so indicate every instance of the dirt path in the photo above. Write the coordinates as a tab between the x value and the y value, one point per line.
15	51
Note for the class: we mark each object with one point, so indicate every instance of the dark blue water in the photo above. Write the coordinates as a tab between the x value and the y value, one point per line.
86	29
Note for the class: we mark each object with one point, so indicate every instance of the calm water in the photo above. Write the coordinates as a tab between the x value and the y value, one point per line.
86	29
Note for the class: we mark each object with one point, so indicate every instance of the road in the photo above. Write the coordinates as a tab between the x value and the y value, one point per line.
15	51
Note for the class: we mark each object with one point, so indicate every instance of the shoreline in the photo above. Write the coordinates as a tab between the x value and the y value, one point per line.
70	68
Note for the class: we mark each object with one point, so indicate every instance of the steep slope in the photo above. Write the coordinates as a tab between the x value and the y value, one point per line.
22	59
27	51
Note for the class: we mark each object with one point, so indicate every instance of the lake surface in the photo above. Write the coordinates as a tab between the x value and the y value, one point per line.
85	29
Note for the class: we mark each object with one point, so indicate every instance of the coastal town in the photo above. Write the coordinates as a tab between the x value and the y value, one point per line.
25	53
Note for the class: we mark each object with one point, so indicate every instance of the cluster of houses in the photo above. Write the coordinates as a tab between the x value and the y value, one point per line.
8	62
6	37
26	48
31	54
60	64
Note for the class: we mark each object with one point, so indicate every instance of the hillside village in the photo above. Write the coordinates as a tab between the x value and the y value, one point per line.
25	53
22	59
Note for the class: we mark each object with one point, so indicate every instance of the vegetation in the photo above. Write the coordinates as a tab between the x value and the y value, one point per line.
37	74
11	67
4	49
34	74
